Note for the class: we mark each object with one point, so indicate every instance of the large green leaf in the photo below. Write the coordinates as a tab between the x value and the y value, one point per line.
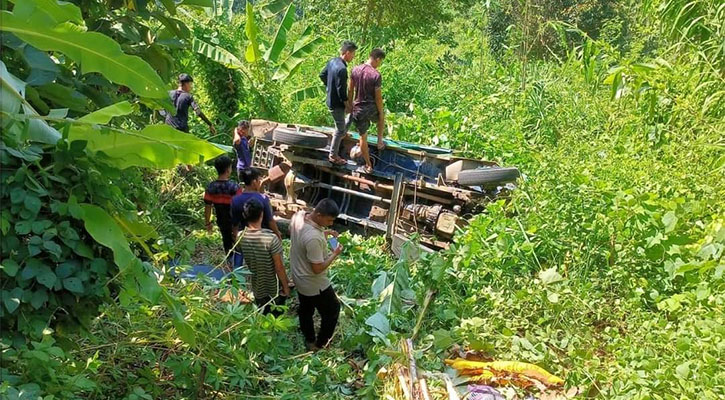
301	50
64	96
12	93
105	231
42	68
173	25
274	7
216	53
156	146
308	93
94	51
52	11
185	331
104	115
251	30
198	3
280	39
170	6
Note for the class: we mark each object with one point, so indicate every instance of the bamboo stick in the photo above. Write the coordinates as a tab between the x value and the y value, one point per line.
426	302
404	384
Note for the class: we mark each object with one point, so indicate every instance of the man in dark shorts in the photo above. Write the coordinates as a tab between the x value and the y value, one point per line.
367	106
218	195
334	76
182	99
252	191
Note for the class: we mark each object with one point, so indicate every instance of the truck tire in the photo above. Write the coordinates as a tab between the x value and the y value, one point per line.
292	137
485	176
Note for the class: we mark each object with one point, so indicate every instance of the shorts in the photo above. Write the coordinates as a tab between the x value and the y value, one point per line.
363	117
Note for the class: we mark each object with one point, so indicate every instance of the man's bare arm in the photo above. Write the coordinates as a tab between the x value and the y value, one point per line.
350	95
207	217
319	268
281	273
275	228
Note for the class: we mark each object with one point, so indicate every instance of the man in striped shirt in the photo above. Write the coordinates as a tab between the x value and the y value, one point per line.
262	251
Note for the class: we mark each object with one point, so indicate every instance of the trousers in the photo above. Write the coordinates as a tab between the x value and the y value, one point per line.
328	306
268	308
338	114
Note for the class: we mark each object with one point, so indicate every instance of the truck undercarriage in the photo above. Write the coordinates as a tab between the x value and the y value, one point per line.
413	190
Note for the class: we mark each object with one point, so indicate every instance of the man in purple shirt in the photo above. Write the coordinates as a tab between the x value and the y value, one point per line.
366	90
252	190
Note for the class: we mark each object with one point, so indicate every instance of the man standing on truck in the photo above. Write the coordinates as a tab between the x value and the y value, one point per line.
334	76
366	90
182	99
309	261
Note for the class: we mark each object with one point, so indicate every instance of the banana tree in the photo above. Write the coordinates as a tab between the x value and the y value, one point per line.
274	63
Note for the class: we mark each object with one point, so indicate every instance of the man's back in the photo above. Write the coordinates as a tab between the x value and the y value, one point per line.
181	101
220	194
334	76
367	79
258	246
307	246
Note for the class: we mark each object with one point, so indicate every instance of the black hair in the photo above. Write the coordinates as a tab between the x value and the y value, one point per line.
222	164
348	46
243	124
253	210
249	175
183	78
327	208
377	54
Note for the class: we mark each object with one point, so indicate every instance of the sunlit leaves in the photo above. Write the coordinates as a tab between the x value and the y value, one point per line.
216	53
104	115
301	50
252	53
157	146
280	39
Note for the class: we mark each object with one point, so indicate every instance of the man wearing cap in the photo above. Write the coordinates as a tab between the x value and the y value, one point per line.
181	98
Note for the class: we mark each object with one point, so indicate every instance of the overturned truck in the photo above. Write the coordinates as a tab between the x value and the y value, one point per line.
413	190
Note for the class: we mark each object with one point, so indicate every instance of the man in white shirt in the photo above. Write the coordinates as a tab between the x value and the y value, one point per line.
309	261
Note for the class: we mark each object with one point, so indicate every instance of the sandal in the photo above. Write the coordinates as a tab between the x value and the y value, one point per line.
337	161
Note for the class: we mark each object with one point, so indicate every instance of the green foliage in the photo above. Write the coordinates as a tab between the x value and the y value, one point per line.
97	52
252	54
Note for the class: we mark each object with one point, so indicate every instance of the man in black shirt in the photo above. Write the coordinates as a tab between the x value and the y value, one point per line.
181	98
334	76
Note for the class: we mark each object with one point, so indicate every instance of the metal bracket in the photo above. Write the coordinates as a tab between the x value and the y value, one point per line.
394	205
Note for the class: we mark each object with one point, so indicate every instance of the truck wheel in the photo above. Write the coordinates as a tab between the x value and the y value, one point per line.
292	137
484	176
